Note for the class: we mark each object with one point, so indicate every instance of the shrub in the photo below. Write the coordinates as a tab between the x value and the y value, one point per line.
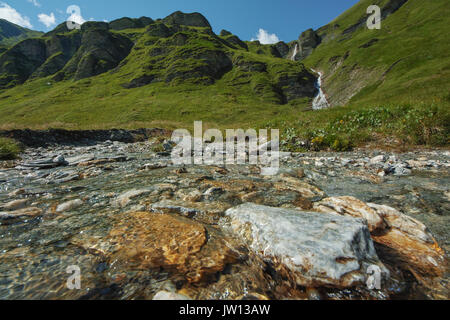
9	149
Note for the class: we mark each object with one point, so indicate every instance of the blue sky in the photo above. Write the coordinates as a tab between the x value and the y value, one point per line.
283	19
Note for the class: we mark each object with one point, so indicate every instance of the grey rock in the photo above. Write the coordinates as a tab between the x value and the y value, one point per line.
316	249
69	205
168	296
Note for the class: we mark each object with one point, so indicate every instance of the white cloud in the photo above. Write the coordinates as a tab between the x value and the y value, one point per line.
47	20
11	14
266	38
34	2
75	15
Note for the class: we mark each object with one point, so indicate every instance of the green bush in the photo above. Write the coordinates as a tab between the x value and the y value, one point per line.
9	149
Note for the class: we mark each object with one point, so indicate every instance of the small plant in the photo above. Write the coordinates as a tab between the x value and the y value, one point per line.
9	149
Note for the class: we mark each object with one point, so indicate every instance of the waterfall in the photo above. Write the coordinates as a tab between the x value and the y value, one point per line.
295	52
320	101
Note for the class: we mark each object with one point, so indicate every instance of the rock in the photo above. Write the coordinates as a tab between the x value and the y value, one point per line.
168	206
14	205
409	243
378	159
45	163
17	192
188	19
145	240
349	206
153	166
167	296
125	198
69	205
307	41
305	189
314	249
404	240
225	33
26	212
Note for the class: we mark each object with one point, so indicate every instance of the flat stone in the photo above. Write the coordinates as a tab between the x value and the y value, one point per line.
125	198
315	249
69	205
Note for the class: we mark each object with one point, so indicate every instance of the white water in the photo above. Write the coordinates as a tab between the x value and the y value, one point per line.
320	101
295	53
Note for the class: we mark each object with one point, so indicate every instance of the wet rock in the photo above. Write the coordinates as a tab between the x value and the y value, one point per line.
17	192
313	249
153	166
378	159
305	189
167	296
404	240
144	240
126	197
349	206
45	163
14	205
26	212
409	243
69	205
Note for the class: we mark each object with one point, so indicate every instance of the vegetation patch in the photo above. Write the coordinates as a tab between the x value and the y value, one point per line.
9	149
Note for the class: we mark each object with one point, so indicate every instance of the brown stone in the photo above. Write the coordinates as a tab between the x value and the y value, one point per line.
349	206
293	184
402	240
147	240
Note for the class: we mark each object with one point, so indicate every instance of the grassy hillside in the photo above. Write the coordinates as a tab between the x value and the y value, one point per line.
406	61
10	34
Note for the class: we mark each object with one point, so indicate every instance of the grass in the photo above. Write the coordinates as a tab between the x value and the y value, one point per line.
9	149
341	129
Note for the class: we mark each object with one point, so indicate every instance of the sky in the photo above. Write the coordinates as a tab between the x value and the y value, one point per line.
266	20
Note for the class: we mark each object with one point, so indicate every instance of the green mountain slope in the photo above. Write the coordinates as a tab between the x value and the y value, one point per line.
11	33
406	61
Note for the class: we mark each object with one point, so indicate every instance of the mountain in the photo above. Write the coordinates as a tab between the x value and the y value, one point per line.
11	34
406	61
178	63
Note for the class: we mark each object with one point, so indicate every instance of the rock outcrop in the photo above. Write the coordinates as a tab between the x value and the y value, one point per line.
188	19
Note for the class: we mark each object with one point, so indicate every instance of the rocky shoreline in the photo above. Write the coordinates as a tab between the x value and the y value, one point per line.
141	228
52	137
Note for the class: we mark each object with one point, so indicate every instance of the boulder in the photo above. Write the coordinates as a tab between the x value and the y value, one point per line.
403	240
179	245
312	248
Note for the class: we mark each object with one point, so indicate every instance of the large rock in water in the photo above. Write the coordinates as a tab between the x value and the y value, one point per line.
151	241
313	249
